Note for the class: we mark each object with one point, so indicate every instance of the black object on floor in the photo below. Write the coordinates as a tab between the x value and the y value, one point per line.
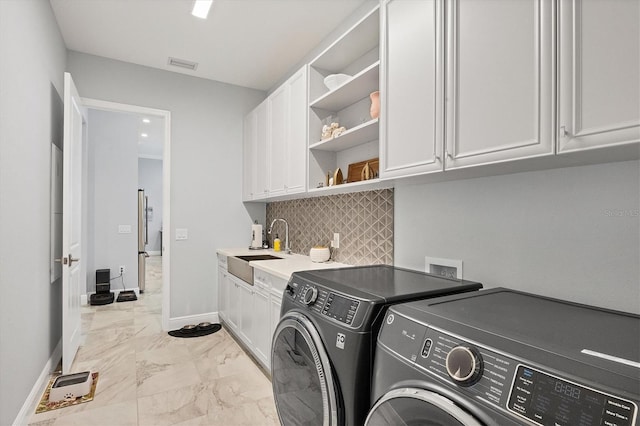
101	298
201	329
127	296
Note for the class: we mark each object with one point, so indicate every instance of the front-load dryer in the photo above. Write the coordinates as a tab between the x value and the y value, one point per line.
502	357
323	346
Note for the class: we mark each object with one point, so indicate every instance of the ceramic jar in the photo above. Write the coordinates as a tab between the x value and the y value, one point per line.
375	104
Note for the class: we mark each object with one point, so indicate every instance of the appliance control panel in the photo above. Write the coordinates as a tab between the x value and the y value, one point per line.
323	302
502	381
547	399
482	372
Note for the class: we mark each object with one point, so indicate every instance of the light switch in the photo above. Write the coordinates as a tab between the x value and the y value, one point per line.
181	234
124	229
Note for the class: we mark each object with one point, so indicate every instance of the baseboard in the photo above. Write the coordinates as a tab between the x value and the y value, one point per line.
179	322
29	406
84	299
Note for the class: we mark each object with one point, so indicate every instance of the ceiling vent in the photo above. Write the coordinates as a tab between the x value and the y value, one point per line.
182	63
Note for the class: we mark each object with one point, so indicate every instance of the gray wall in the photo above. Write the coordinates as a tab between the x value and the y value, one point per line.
571	233
113	195
150	179
206	164
31	85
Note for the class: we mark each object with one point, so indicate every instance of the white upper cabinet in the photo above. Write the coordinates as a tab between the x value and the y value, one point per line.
599	74
278	120
275	142
412	86
500	81
249	155
296	171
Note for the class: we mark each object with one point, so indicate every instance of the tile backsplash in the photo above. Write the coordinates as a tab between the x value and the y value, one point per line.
363	219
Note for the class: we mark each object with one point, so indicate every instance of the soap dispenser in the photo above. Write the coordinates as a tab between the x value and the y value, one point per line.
276	244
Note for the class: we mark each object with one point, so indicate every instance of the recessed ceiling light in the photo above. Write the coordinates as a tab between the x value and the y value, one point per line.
201	8
146	120
144	135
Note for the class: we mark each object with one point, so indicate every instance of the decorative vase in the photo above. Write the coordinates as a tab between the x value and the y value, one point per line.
375	104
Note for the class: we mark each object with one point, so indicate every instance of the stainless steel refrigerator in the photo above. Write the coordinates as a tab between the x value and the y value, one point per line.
143	237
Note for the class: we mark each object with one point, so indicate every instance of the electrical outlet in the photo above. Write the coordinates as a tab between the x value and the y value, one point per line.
336	240
122	269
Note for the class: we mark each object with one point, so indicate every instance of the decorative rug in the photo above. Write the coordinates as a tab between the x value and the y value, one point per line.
201	329
45	405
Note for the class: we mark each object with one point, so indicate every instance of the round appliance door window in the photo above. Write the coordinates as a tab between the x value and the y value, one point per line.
301	377
413	407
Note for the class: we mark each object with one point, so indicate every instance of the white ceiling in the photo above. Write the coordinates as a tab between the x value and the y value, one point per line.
250	43
151	145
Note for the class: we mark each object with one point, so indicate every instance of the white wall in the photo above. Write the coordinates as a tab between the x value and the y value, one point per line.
150	179
31	85
113	195
206	164
571	233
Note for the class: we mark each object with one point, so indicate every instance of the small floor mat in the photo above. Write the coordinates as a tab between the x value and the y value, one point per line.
44	404
196	332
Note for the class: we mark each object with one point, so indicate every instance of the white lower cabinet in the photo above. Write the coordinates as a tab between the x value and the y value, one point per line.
251	312
261	327
247	319
222	287
233	303
276	305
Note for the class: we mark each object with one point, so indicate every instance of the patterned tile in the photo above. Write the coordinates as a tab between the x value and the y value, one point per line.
363	219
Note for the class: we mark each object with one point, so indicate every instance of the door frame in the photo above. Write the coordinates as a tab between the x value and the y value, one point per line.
166	189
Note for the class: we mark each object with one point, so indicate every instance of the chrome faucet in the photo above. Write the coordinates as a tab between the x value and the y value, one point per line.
287	249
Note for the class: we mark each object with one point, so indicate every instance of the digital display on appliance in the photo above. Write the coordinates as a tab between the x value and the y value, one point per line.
549	400
340	308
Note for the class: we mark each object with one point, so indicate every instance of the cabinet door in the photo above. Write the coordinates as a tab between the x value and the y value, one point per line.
246	313
260	183
276	305
233	303
222	294
500	65
599	69
278	132
249	154
261	326
411	128
297	128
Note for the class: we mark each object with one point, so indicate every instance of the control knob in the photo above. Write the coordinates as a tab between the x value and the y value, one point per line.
464	365
310	295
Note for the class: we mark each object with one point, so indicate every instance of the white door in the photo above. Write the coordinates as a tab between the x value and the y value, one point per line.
73	277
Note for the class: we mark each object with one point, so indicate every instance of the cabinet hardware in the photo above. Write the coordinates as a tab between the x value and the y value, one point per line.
563	131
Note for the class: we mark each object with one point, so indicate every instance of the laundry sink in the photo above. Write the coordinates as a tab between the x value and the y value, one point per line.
239	265
258	257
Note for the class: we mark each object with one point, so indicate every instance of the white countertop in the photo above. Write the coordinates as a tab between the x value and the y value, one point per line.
284	267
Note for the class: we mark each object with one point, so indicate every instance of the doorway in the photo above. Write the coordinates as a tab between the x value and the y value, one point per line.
129	149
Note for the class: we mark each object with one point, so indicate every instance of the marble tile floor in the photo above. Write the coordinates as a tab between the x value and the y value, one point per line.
150	378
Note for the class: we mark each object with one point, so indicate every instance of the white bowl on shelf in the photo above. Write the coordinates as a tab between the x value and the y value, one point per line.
319	254
335	80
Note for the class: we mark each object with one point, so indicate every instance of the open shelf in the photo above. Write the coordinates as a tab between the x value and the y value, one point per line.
358	135
351	91
363	185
